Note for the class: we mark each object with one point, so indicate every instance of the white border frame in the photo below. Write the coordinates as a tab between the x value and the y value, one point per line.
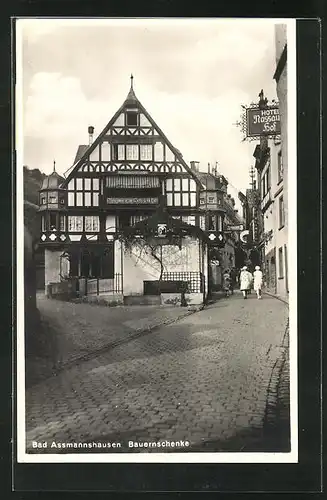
187	457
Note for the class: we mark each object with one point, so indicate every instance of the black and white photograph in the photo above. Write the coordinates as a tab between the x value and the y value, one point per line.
156	240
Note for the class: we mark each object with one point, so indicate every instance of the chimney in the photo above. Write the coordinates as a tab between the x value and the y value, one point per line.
91	132
194	166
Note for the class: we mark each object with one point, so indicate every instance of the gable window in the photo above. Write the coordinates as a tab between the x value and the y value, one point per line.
146	151
131	118
132	152
118	152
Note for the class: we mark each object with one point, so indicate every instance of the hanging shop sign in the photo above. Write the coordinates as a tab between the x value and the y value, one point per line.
245	236
262	121
236	227
162	230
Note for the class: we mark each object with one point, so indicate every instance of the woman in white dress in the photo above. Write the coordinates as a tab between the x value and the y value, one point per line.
245	281
257	283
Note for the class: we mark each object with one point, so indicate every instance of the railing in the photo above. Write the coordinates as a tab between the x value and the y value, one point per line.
193	279
100	286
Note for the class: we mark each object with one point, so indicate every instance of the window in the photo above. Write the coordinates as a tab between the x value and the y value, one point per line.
71	199
158	151
92	223
132	152
184	192
85	187
75	223
53	221
53	198
118	152
211	199
202	222
43	199
42	223
280	171
219	223
62	223
281	212
265	182
146	151
131	119
202	201
79	184
137	218
280	263
87	199
79	199
212	223
105	151
95	199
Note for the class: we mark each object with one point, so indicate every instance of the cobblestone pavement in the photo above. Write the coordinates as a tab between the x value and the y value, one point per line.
70	331
203	379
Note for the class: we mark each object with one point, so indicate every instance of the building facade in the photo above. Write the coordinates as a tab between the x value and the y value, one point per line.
117	181
280	160
273	238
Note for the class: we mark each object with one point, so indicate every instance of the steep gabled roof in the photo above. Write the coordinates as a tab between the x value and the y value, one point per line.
80	151
131	99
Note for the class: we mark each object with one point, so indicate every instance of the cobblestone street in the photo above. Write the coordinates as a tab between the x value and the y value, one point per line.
203	378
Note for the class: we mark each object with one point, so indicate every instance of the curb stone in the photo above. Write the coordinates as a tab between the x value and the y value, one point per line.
277	392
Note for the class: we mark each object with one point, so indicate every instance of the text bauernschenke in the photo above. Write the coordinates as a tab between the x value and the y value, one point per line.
158	444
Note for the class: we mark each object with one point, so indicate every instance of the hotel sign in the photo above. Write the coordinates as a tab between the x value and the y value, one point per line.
262	122
133	201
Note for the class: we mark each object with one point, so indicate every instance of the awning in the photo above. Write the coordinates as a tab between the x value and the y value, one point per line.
132	181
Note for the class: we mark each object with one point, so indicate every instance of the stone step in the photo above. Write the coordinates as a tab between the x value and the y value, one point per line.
142	300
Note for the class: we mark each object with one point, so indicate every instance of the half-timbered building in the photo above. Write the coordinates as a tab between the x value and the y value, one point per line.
119	179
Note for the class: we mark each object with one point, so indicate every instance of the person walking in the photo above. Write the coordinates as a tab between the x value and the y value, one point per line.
245	281
257	282
227	282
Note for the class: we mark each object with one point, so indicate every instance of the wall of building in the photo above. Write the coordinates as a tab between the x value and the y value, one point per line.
280	39
140	266
52	266
282	233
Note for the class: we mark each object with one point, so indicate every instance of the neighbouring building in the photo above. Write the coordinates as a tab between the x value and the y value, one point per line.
212	215
271	165
273	238
219	213
280	161
118	181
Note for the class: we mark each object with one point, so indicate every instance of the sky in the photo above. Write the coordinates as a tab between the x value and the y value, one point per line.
192	76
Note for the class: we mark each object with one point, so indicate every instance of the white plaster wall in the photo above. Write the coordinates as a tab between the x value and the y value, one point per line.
140	266
52	266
